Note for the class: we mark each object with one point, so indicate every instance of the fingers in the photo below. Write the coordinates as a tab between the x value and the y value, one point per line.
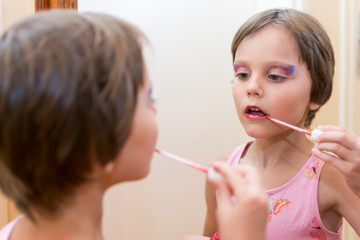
336	149
340	164
224	197
230	182
340	136
236	183
344	144
236	178
242	206
340	148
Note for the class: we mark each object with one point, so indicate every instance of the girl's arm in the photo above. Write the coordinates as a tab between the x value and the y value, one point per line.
337	200
210	227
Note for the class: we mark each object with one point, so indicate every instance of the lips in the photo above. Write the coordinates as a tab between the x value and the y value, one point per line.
254	112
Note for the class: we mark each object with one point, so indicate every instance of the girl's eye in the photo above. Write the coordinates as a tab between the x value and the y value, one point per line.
243	75
150	97
276	78
242	72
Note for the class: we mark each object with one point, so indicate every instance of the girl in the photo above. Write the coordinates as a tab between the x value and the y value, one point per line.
284	66
76	117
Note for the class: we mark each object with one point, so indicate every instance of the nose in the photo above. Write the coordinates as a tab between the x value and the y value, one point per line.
254	87
154	109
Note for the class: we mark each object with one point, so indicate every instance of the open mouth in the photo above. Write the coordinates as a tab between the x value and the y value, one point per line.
254	112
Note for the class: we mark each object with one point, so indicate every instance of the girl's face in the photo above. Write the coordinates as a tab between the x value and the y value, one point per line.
270	80
134	160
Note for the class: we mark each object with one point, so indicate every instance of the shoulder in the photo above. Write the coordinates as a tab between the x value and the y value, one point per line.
223	158
233	158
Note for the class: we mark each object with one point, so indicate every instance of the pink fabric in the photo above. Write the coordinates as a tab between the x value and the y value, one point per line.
293	211
5	233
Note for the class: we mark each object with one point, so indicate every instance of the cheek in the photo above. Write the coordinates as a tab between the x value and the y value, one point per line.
146	135
153	134
238	94
135	158
295	102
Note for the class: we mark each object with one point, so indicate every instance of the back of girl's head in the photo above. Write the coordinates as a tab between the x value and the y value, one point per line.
314	46
68	89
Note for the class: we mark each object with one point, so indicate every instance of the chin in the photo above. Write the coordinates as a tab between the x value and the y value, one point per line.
256	132
144	174
137	172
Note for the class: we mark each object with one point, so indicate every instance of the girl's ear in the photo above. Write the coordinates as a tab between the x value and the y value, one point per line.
314	106
109	167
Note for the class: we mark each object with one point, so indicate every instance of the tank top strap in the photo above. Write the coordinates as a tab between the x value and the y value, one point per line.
235	156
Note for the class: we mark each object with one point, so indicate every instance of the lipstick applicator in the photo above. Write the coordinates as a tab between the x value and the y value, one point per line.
183	160
314	134
211	172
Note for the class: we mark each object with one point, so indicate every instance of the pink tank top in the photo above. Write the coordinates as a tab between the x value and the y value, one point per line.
293	211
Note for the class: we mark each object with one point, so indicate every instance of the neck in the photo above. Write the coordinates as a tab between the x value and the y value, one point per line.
79	219
286	149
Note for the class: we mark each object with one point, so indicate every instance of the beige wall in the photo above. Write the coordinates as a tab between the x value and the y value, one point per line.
330	19
189	81
191	70
356	108
343	109
170	202
356	89
13	10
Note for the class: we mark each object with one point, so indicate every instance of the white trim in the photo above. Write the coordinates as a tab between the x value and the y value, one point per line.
342	65
299	5
353	35
1	16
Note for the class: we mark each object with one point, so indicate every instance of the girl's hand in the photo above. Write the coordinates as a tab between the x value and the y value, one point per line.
341	149
242	207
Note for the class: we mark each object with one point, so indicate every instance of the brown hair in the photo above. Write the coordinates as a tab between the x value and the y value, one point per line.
68	90
314	46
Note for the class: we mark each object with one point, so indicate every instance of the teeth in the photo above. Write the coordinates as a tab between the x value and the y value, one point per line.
256	111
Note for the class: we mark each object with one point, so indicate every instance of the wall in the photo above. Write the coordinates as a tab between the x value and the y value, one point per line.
330	19
356	87
10	12
340	21
190	66
191	69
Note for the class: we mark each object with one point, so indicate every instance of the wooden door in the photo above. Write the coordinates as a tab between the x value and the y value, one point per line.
8	211
48	4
